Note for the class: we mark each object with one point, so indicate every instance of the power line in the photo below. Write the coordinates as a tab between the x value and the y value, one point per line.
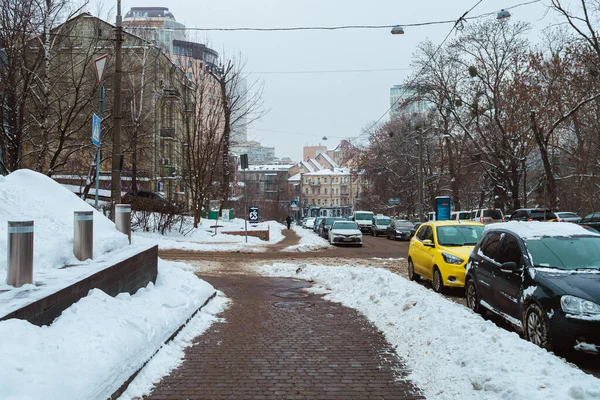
340	27
456	23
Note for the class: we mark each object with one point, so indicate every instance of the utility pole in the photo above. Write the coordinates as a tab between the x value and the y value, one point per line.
117	157
420	173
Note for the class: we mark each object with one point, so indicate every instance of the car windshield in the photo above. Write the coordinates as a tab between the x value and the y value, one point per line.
364	216
465	215
404	224
459	235
383	221
329	221
345	225
494	214
567	253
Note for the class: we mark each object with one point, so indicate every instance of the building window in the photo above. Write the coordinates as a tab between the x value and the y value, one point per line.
319	201
177	62
319	191
306	191
325	190
313	190
189	63
324	180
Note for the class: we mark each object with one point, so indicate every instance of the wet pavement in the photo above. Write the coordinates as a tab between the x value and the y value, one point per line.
280	342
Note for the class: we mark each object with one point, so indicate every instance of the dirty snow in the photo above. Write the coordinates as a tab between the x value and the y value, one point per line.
452	352
309	241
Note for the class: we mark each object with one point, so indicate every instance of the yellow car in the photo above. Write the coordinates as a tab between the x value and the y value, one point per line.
439	251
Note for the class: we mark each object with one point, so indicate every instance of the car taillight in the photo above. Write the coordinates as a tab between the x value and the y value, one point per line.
502	221
481	219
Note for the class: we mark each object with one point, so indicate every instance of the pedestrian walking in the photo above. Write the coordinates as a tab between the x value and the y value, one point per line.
288	219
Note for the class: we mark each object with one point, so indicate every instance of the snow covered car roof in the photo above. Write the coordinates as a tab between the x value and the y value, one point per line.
536	229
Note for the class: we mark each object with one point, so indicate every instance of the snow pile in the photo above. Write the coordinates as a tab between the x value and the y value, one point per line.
97	343
204	239
452	352
538	229
309	241
171	355
28	195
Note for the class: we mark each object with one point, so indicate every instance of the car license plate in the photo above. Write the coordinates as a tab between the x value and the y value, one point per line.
347	239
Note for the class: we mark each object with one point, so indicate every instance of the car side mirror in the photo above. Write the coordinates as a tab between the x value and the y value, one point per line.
510	266
428	243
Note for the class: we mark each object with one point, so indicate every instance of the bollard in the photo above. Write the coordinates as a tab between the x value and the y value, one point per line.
83	235
20	253
123	219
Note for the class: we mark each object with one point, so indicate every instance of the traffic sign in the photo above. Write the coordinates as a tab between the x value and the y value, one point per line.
96	120
394	201
100	63
253	214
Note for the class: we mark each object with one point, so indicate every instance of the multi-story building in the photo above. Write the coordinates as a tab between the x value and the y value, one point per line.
405	102
342	154
257	153
152	118
155	24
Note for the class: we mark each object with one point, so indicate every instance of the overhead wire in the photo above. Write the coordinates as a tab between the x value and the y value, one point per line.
416	76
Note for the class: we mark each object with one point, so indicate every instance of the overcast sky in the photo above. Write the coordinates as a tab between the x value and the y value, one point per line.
305	107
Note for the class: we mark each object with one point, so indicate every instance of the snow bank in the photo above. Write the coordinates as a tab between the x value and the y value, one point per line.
171	355
96	344
204	239
309	241
537	229
28	195
452	352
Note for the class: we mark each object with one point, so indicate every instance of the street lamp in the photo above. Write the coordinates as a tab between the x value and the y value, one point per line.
503	14
397	30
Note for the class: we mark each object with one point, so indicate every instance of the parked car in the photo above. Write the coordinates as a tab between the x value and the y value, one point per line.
487	215
145	194
533	214
460	216
345	232
308	222
439	252
565	216
400	229
325	225
380	224
542	278
591	220
317	224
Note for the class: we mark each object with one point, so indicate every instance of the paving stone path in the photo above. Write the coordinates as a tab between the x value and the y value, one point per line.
278	342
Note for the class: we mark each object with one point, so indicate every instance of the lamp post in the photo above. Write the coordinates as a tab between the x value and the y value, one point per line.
117	157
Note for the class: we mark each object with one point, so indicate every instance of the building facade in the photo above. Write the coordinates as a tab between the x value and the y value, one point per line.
406	102
155	24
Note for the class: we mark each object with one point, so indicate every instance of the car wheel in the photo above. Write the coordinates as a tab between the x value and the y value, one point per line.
537	329
411	271
438	283
372	233
473	298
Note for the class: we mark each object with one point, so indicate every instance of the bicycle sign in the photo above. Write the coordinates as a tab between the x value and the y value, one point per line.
253	214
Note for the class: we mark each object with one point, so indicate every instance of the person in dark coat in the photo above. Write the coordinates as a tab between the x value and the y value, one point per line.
288	219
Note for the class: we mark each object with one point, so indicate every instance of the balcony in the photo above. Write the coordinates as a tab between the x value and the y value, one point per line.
167	133
315	184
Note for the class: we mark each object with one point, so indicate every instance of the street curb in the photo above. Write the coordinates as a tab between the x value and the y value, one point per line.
124	386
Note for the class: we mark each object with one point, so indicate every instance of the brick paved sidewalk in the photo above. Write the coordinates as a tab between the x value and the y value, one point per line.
276	345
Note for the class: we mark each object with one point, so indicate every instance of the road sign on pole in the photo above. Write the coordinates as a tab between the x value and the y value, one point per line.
100	63
96	121
253	214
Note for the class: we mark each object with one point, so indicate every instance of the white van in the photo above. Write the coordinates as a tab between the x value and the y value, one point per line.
364	219
460	216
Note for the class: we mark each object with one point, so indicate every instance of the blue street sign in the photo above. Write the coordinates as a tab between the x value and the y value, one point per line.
293	203
394	201
96	130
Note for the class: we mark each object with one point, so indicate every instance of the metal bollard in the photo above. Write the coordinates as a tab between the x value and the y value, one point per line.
83	235
123	219
20	253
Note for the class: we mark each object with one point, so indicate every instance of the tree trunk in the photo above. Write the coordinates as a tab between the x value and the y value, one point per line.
550	182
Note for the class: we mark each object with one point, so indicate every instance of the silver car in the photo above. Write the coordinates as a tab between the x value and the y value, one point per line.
565	216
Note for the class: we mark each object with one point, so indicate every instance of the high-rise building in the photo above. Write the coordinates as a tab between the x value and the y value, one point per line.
405	102
239	115
156	24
